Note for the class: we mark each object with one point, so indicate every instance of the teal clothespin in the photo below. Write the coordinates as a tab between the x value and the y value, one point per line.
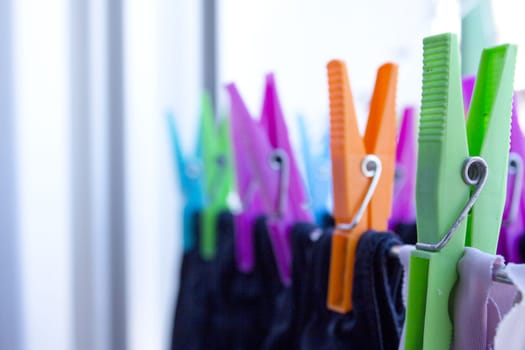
478	32
318	174
452	158
190	182
218	174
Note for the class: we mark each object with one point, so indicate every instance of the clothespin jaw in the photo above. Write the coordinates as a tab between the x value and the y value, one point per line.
440	195
445	172
190	181
218	174
405	180
318	174
488	131
513	225
358	168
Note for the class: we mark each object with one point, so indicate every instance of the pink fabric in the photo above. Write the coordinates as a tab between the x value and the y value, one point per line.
479	303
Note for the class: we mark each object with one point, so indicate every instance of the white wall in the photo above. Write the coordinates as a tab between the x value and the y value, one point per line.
42	106
163	72
297	38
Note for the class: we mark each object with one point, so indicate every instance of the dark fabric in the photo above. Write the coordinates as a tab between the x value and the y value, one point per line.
407	232
328	221
242	304
376	319
191	314
294	303
522	247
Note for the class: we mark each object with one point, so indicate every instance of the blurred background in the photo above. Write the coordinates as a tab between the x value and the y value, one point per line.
89	201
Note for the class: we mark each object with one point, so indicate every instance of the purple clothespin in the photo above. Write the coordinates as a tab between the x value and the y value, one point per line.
250	144
247	186
404	210
468	88
267	178
513	225
272	120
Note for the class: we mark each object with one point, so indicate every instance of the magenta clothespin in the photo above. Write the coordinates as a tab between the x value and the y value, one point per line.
513	225
404	210
272	120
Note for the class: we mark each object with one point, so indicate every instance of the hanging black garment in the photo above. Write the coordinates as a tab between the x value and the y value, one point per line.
407	232
376	320
192	309
294	303
242	304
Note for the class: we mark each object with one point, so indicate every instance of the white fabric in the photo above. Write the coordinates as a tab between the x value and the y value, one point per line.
510	334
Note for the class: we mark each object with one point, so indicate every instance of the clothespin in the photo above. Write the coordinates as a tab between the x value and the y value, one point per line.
468	87
272	120
404	210
362	171
477	32
190	182
513	225
250	145
275	182
218	174
448	166
318	174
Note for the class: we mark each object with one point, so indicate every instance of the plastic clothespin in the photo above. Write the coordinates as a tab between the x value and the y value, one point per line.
478	32
362	171
448	166
190	182
249	145
513	225
468	87
404	209
267	182
218	174
318	174
272	120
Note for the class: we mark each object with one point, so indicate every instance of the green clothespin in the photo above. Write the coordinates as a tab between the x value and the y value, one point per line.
218	174
477	32
448	165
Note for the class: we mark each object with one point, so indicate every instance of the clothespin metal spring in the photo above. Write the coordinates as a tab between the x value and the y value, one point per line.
475	173
370	167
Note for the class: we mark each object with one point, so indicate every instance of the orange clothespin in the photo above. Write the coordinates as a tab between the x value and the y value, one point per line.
362	170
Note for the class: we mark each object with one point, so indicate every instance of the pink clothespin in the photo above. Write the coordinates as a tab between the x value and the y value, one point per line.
404	208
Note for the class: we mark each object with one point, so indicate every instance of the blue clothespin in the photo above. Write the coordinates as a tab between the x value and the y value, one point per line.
190	181
318	174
